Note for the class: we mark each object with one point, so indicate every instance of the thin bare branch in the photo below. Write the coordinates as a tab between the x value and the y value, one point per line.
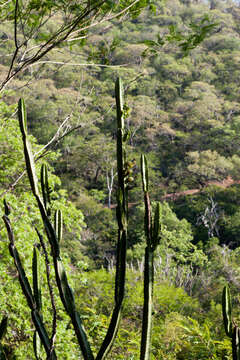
78	64
44	150
15	40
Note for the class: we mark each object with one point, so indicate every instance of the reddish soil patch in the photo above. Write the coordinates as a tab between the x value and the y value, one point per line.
173	196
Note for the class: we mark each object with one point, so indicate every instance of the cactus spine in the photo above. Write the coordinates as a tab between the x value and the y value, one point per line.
152	240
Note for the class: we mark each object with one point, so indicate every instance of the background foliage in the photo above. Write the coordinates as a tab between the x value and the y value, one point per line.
183	111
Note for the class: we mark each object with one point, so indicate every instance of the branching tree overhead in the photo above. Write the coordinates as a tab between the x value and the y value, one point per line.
39	26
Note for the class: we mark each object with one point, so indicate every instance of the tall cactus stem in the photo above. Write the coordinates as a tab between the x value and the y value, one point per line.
33	178
121	213
152	240
38	299
45	188
58	224
27	291
35	273
3	330
227	310
236	343
3	327
147	306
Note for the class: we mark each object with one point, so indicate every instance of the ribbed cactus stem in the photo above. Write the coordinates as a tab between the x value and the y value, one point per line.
3	330
152	240
27	291
38	300
36	285
33	178
58	224
45	188
121	214
3	327
147	306
231	329
236	343
227	310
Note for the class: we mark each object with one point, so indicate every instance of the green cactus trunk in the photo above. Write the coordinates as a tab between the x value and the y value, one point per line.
29	294
231	329
147	307
122	229
152	240
3	330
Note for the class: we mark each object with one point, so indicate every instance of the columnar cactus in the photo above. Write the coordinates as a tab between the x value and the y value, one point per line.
122	219
53	231
231	329
152	240
54	235
32	296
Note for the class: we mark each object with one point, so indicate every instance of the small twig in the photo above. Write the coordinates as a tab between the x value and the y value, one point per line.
17	47
55	139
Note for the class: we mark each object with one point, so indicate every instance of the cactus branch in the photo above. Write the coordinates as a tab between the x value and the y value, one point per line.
27	290
3	329
65	291
227	310
54	319
148	268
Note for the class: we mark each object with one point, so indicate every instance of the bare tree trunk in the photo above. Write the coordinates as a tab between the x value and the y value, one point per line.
110	180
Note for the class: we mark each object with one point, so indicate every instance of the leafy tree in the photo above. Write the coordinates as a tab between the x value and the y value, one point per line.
175	240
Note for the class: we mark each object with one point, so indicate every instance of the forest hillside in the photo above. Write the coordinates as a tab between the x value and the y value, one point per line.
182	110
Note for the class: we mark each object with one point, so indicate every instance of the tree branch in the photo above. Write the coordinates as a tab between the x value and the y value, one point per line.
60	36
